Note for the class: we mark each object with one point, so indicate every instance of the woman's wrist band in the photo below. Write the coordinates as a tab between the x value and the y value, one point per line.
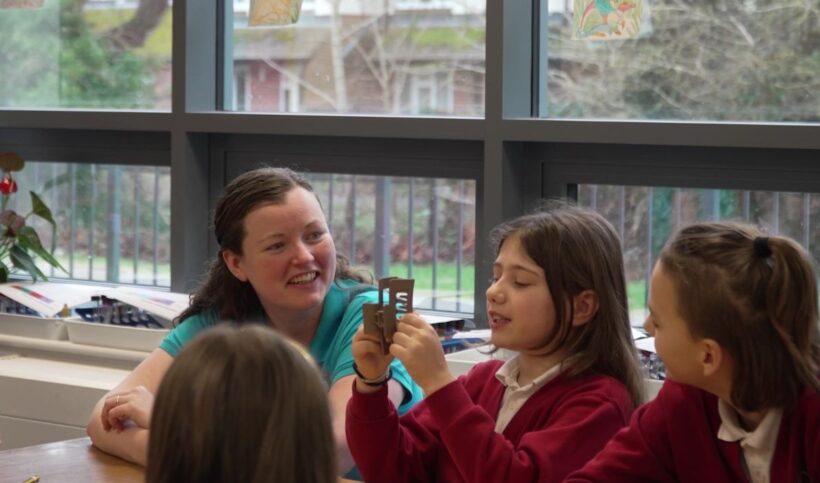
379	381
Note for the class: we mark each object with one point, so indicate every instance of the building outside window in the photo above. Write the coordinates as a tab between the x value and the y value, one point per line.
402	90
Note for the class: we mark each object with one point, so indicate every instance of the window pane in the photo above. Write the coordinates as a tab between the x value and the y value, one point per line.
725	60
113	223
87	54
645	217
421	228
394	57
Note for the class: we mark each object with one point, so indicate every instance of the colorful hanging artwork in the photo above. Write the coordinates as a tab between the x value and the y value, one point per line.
21	4
273	12
606	19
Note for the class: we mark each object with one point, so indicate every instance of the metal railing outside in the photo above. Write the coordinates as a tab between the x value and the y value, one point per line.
113	226
112	221
409	227
645	217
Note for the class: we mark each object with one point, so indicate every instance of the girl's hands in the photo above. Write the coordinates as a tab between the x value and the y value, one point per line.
367	353
417	346
132	405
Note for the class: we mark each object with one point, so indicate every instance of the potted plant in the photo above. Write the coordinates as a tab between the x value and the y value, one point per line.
19	243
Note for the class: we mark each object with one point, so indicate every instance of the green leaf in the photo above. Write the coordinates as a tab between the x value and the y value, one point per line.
40	209
57	181
4	273
28	239
22	260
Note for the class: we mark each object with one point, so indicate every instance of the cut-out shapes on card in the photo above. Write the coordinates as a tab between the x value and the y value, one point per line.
381	320
274	12
606	19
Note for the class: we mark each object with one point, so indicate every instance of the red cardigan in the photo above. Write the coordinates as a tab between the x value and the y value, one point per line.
674	438
450	436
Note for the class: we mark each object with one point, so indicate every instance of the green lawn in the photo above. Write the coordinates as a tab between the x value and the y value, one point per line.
446	274
145	270
636	293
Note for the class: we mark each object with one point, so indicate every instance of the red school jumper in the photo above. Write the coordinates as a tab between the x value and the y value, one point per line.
674	439
450	436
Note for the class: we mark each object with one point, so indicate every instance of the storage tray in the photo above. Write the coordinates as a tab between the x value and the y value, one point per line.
32	326
117	336
461	362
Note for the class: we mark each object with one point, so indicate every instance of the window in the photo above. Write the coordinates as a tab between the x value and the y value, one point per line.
289	94
428	92
242	90
645	218
88	55
361	57
113	221
720	60
422	228
420	67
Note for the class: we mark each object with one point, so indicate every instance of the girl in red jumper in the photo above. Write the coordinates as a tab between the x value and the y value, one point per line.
558	299
734	315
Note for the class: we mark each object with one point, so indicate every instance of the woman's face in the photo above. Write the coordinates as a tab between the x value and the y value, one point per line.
288	255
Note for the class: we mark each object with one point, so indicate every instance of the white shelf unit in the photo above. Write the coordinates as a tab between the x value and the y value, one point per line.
49	387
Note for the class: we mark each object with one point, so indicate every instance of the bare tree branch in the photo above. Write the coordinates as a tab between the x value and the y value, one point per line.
133	33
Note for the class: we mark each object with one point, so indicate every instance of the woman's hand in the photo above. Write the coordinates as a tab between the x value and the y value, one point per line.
133	405
416	344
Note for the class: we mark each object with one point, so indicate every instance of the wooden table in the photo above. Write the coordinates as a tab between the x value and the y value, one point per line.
74	460
71	461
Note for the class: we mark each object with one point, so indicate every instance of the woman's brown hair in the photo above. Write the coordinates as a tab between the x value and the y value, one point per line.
756	296
241	404
231	298
579	250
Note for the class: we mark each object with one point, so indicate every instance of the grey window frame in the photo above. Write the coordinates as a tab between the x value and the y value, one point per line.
514	157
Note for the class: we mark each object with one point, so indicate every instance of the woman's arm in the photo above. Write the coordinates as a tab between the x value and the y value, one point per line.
340	394
128	441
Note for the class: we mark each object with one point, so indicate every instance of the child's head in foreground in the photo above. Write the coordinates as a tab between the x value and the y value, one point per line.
241	404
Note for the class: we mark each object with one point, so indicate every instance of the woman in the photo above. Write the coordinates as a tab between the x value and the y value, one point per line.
278	265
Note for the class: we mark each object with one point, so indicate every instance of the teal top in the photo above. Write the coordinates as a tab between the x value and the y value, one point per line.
331	345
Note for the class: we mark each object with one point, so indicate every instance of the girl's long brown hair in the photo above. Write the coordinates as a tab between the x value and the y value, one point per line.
231	298
758	303
579	250
241	405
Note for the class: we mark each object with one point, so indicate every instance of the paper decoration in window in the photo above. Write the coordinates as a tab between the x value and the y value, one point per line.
30	4
606	19
273	12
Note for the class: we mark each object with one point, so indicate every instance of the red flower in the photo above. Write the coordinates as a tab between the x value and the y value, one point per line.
8	186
